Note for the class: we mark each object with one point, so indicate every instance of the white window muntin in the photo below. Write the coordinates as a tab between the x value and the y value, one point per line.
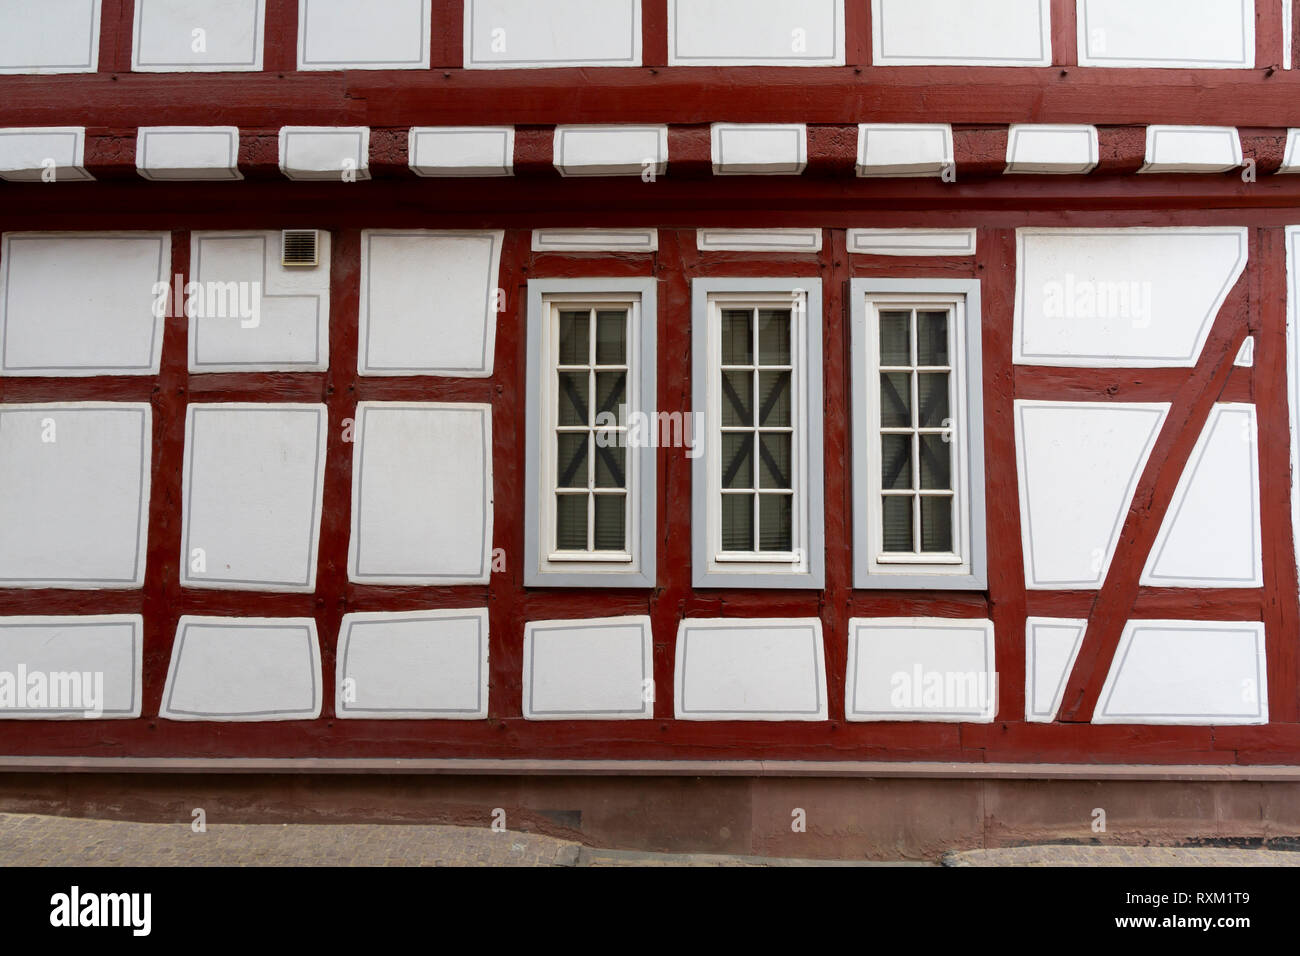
594	430
802	566
965	565
547	564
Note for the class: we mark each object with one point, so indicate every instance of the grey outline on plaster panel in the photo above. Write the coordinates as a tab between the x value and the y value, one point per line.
747	623
91	52
1032	645
192	411
1043	57
259	23
1112	360
354	564
379	617
136	624
798	131
86	371
196	324
678	60
851	698
146	457
587	240
634	16
1138	627
366	368
142	160
532	630
313	653
856	238
1127	61
563	132
506	134
1161	409
304	8
78	135
708	239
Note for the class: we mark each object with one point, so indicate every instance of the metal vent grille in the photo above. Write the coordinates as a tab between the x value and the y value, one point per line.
300	247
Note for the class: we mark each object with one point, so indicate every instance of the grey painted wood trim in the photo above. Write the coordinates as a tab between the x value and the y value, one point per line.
641	573
815	521
935	578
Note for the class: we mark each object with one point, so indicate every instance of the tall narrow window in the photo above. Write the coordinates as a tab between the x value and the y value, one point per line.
591	453
757	519
590	474
918	485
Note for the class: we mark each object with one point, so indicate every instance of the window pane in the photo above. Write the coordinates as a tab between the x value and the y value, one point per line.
936	524
774	523
774	455
774	336
936	462
738	459
737	337
611	338
571	460
571	522
932	396
895	461
898	523
573	398
737	398
737	522
611	466
611	392
575	327
610	526
895	338
896	400
932	338
774	398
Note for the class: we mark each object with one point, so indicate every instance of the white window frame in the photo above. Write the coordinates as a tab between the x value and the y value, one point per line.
967	566
545	566
804	566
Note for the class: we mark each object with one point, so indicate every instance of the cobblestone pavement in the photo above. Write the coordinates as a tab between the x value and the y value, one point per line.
32	840
1055	855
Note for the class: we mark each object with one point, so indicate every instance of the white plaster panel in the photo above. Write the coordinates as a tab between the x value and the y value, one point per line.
1201	34
34	154
428	302
912	242
1122	298
248	312
1187	672
421	494
252	490
1052	149
337	153
755	32
188	153
375	35
74	494
198	36
759	149
1051	647
1246	354
595	240
758	240
1210	537
413	665
930	669
84	303
1078	466
905	150
961	32
1291	154
611	150
1192	149
750	669
515	34
594	669
243	669
452	151
50	36
104	652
